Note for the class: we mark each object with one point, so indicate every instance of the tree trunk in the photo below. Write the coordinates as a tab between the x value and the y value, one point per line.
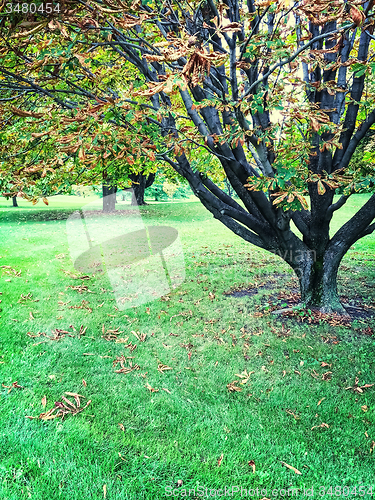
140	183
109	198
14	199
318	283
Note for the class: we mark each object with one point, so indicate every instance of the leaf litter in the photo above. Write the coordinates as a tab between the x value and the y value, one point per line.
123	361
62	408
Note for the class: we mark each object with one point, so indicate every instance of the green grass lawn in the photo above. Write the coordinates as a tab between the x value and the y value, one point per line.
145	430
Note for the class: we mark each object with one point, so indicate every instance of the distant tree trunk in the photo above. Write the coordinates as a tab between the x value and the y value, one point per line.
15	204
109	197
140	183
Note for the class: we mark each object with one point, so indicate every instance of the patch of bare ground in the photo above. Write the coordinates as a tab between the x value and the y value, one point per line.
285	304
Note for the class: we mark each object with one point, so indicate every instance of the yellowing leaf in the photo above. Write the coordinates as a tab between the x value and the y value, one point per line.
291	468
321	188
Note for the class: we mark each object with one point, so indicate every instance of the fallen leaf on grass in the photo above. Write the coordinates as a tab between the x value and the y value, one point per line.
140	336
189	345
31	315
151	389
125	369
162	368
122	427
166	390
105	491
80	288
327	376
220	460
364	408
323	364
232	387
84	383
290	412
320	401
244	376
252	465
82	331
291	468
84	305
357	388
372	446
13	386
24	298
44	401
35	335
75	277
325	426
112	334
10	271
63	409
59	334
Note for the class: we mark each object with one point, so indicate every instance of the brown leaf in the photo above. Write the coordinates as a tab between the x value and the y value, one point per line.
44	401
13	386
357	15
151	389
220	460
162	368
84	382
252	465
232	387
323	425
291	468
320	401
122	427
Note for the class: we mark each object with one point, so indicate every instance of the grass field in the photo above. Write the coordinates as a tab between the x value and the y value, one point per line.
148	429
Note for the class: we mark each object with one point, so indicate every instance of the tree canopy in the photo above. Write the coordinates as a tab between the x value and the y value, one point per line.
278	93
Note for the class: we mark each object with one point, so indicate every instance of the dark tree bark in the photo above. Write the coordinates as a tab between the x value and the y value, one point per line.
14	199
109	197
140	183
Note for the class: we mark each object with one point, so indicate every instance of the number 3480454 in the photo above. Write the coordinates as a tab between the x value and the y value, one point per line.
32	8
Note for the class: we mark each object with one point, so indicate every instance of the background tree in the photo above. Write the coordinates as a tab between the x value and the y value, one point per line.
277	91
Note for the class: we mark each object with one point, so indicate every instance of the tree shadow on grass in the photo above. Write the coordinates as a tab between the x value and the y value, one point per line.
284	303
